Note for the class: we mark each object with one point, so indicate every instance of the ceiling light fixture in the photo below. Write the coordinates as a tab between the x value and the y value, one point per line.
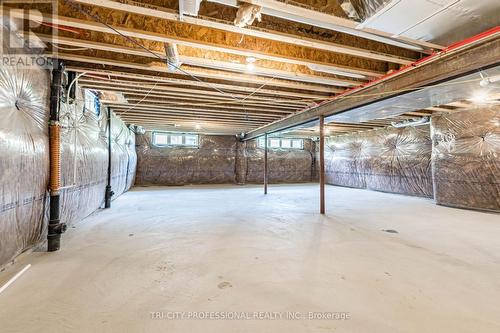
250	67
251	63
480	97
197	126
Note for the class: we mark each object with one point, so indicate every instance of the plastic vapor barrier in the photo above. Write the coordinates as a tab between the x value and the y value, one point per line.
466	158
284	165
85	160
24	158
218	160
389	160
213	162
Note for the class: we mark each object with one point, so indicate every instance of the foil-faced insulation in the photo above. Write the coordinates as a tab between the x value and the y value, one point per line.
284	165
213	162
396	160
360	10
466	158
218	160
85	159
24	161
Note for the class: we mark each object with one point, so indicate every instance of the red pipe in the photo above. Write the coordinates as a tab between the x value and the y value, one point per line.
60	27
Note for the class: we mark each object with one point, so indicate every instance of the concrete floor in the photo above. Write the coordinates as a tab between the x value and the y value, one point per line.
230	248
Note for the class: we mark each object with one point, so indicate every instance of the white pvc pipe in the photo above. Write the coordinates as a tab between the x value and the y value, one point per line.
14	278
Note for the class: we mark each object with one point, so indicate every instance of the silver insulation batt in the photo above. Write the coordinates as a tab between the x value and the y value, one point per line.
466	158
218	160
85	159
389	160
24	158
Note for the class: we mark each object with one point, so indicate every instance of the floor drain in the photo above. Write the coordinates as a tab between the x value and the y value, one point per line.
392	231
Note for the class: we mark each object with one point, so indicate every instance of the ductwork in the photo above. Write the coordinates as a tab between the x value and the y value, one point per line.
350	11
189	7
247	14
440	21
172	56
305	17
413	122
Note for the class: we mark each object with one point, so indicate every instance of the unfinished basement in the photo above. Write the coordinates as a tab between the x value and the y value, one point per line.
250	166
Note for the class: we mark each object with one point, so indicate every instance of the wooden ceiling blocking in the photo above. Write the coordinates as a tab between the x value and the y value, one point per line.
118	46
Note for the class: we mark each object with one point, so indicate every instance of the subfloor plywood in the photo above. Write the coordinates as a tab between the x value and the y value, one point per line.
230	248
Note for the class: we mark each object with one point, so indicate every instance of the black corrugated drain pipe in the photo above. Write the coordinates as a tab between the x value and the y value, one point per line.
55	228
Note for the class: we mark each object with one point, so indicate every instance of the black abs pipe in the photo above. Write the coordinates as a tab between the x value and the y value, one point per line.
109	193
55	227
72	92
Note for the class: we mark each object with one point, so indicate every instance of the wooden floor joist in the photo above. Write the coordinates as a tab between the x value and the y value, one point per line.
169	14
115	86
223	120
196	102
194	110
314	17
220	75
117	76
227	94
153	36
148	113
207	63
202	62
479	53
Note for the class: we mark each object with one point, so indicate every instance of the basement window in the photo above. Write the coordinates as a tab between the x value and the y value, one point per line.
162	139
91	102
282	143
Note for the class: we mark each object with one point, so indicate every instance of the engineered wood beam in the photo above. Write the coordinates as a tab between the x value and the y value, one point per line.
171	15
305	14
263	115
233	77
202	62
153	88
175	81
467	58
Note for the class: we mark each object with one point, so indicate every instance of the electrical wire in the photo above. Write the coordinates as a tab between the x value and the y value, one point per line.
69	48
142	100
96	18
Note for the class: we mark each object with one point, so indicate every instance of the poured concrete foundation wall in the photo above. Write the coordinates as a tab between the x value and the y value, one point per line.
389	160
466	158
218	160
